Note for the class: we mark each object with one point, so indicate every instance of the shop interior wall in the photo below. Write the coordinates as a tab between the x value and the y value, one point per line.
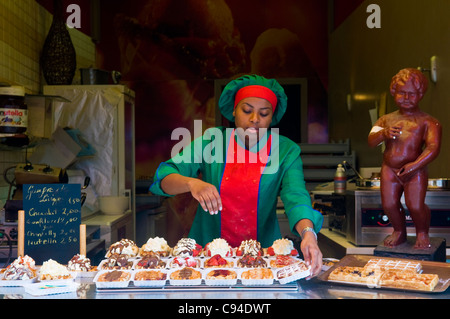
182	47
362	62
171	52
24	24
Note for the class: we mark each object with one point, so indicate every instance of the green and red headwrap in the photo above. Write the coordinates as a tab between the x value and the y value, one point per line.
253	86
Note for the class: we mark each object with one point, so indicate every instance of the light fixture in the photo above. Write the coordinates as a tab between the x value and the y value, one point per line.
432	69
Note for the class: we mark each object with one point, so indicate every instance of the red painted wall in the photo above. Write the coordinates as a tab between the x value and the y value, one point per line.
342	9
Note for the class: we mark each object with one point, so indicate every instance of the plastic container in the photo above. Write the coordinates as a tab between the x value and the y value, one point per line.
197	278
340	180
213	281
113	284
44	289
257	282
16	283
13	110
149	283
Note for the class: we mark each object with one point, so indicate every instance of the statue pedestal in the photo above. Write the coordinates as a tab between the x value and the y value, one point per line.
406	250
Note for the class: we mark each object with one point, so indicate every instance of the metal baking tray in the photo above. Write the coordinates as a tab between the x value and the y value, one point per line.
428	267
438	183
433	183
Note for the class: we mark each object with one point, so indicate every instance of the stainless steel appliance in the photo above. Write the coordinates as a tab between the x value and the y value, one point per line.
332	205
366	224
26	173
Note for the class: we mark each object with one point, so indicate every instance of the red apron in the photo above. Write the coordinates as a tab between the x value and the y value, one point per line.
239	191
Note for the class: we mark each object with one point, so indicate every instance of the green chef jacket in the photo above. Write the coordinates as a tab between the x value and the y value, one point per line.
283	177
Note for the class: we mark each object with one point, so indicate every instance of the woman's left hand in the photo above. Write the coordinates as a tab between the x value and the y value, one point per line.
311	253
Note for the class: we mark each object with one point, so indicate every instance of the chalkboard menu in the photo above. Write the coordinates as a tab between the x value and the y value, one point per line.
52	221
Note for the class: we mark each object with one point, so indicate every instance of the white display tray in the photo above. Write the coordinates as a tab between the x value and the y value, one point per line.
275	286
203	283
51	288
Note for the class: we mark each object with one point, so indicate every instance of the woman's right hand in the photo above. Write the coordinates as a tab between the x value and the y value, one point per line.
206	194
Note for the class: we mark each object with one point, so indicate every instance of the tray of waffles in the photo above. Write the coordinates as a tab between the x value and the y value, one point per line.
293	272
113	278
389	273
257	276
220	276
149	277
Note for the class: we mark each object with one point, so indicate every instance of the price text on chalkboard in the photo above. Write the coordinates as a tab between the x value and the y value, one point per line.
52	221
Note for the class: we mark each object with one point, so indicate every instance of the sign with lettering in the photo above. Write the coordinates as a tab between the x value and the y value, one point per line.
52	221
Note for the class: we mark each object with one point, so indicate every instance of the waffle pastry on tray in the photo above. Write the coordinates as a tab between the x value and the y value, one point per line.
409	280
396	264
387	273
358	275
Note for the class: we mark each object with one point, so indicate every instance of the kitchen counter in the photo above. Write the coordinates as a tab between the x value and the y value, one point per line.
112	227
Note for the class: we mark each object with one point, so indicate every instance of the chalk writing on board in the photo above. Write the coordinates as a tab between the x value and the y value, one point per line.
52	221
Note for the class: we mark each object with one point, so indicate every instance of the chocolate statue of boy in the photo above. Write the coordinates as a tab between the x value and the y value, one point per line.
413	140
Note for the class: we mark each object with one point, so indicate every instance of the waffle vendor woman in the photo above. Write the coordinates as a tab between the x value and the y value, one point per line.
243	171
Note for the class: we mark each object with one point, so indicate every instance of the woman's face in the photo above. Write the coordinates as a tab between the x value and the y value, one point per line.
252	114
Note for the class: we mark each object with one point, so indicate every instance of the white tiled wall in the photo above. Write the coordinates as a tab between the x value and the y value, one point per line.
24	25
22	33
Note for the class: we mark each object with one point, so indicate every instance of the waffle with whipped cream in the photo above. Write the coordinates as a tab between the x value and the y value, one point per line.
123	247
156	245
186	247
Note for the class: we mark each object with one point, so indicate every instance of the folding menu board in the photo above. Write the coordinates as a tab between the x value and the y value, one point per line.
50	223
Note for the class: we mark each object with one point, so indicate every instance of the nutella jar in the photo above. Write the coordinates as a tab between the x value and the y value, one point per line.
13	110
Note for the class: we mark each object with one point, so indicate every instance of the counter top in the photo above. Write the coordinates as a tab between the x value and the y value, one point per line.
101	219
307	289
